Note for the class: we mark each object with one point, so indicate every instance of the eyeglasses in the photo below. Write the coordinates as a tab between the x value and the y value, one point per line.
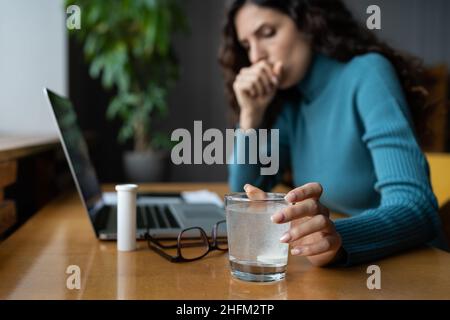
192	243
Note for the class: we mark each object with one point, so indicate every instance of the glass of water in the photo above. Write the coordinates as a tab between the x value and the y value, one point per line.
254	247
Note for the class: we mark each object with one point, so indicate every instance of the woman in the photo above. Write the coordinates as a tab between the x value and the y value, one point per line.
349	110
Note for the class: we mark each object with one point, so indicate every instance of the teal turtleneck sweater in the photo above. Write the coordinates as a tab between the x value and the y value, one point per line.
352	133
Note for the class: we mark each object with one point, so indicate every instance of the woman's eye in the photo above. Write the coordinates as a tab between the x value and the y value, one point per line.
268	32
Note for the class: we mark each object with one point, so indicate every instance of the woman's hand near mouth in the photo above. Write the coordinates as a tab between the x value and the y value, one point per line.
255	87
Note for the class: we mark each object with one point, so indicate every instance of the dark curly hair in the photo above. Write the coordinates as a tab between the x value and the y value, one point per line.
335	33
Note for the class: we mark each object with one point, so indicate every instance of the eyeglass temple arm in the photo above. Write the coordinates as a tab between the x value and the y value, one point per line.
163	254
150	240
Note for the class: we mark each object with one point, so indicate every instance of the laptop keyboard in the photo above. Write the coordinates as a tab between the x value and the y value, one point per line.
155	217
149	216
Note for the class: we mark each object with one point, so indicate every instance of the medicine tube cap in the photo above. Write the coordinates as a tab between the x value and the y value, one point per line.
126	187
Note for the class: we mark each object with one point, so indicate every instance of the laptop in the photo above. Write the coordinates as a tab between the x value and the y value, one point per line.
164	215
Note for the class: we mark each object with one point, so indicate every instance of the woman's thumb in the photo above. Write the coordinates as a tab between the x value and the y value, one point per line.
254	193
278	68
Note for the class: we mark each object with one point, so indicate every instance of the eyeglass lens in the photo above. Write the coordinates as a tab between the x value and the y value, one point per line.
193	243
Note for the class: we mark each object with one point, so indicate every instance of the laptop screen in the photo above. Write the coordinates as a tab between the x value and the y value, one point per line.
76	151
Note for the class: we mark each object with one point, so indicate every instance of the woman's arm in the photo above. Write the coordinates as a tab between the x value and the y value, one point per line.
241	174
407	214
254	88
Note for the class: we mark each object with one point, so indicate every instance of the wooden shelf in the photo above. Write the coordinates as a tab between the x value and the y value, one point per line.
15	147
7	215
15	155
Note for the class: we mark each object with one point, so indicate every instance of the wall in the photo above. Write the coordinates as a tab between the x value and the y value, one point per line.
199	94
419	27
33	54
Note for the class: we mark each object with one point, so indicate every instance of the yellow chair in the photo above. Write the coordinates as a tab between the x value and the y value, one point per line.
440	181
440	175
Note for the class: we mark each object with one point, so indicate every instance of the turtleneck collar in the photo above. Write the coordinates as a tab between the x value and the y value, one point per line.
318	76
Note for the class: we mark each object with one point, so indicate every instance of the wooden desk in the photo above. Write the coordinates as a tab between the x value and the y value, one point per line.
33	263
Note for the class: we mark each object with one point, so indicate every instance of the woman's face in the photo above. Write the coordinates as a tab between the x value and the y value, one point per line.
270	35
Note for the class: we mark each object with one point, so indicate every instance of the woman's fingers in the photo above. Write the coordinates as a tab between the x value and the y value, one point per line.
326	243
319	223
260	81
254	193
308	207
309	190
264	72
312	233
261	77
257	82
278	69
248	85
245	86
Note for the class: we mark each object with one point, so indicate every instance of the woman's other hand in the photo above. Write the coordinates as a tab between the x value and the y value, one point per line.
312	233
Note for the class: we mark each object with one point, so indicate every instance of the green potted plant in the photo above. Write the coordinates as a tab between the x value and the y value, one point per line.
128	47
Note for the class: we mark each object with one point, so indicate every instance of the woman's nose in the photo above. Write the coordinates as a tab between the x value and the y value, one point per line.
257	53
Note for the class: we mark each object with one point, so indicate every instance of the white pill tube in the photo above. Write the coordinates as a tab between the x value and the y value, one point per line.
126	217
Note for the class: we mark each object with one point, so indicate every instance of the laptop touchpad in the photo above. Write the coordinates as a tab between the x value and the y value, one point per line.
199	212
